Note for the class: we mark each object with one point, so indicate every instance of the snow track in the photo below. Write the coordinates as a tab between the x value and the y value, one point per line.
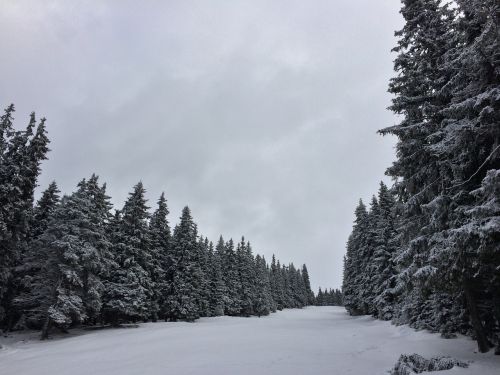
314	341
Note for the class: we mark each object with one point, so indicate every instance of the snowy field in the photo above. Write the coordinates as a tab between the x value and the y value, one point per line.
314	341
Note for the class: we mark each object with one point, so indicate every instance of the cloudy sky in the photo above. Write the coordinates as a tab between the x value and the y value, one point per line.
259	115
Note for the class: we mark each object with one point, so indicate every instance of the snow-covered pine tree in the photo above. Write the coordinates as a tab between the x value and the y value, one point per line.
319	297
470	147
364	280
217	286
183	301
160	240
204	260
479	238
307	284
246	272
298	287
96	257
59	285
274	305
287	288
129	287
276	284
231	278
21	153
263	303
43	209
26	302
385	248
353	262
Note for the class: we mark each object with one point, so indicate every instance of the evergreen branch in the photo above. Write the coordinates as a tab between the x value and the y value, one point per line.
476	172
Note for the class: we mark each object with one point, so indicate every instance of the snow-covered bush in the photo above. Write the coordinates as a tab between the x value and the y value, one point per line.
416	364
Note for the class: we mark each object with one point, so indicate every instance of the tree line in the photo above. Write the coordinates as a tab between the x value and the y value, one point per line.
72	260
331	297
427	250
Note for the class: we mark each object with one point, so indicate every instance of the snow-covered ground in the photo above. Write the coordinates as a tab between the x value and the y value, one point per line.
314	341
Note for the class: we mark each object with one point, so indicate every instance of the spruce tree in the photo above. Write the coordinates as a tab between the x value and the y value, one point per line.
183	300
60	283
246	272
217	286
354	262
43	209
307	284
263	299
160	243
385	249
21	154
129	287
231	279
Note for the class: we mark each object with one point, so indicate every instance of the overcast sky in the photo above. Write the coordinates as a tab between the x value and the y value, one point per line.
259	115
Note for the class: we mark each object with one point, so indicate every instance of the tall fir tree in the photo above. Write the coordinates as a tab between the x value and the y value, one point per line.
231	279
246	272
183	301
21	154
160	244
129	287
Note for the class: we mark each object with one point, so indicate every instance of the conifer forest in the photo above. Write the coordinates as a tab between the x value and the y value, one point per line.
360	138
426	250
70	260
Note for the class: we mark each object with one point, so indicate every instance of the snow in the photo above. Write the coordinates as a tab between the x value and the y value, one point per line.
314	340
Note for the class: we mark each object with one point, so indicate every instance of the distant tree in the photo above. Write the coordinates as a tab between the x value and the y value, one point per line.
263	303
307	284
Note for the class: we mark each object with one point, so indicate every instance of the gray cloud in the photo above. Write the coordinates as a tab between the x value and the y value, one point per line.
261	115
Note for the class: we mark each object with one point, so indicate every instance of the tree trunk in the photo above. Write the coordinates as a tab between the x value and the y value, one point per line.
482	341
46	328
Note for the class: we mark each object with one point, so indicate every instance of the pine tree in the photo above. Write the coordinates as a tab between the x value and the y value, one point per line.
231	279
263	299
160	243
385	249
26	304
183	301
218	297
276	284
470	146
21	153
129	287
353	262
60	284
204	260
246	272
43	209
97	257
307	284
